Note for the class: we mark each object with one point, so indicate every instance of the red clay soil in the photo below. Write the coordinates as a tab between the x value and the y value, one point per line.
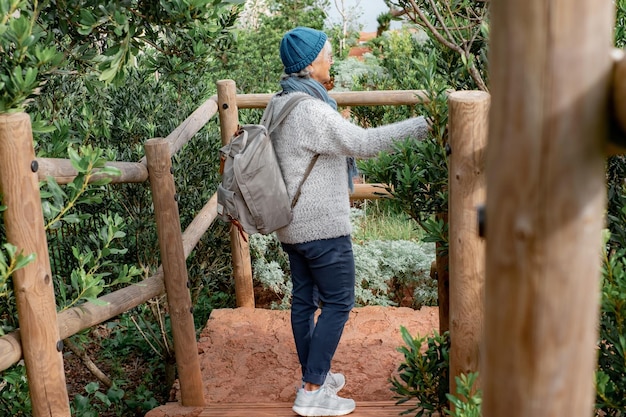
248	355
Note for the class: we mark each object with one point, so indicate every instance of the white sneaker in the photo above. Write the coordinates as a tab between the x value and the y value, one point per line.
335	382
322	402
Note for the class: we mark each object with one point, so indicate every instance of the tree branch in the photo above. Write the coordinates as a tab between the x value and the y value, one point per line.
444	27
93	368
434	30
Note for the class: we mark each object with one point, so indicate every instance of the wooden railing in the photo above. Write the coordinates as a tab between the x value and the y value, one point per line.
39	339
41	331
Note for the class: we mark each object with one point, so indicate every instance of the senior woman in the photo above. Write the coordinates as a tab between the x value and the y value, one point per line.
317	240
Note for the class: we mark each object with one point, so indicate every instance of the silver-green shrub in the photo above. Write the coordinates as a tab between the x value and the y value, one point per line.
381	263
378	264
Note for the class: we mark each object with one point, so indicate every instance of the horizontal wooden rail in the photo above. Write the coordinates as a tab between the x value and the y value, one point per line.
370	192
137	172
190	126
347	98
64	173
86	315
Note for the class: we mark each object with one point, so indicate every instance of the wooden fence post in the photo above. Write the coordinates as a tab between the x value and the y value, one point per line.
175	271
550	73
242	267
468	121
33	287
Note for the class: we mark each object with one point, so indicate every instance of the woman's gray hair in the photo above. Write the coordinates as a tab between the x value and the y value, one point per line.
306	72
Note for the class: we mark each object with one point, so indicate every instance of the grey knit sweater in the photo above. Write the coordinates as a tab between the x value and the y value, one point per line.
323	209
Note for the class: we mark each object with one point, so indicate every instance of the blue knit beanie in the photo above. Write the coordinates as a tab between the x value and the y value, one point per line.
299	48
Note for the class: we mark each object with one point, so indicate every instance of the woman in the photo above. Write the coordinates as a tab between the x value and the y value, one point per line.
318	241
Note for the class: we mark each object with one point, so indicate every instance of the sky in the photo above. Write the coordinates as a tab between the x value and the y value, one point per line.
369	11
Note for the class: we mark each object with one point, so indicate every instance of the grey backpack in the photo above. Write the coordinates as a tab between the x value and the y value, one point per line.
253	195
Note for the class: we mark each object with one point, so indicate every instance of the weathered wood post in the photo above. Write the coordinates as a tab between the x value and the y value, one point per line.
34	291
242	266
175	271
550	72
469	124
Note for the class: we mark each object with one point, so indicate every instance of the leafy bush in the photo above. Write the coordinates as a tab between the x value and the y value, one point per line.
424	378
424	374
467	402
386	266
611	371
14	398
382	267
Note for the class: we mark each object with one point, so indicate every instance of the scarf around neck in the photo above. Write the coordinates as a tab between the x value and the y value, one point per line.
316	89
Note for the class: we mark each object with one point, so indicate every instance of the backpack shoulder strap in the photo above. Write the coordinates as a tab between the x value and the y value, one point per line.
304	177
272	120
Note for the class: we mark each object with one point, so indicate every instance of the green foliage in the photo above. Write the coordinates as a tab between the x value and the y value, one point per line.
459	31
610	381
140	336
383	220
27	54
87	281
271	267
467	402
58	203
620	23
349	71
424	374
417	172
44	38
286	15
10	263
14	398
96	401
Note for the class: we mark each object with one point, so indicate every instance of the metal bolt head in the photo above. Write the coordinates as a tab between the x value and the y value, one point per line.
480	211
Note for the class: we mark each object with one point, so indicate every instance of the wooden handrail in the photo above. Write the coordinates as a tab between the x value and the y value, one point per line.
348	98
76	319
79	318
64	173
136	172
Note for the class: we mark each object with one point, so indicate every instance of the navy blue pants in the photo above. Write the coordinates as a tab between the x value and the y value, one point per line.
322	273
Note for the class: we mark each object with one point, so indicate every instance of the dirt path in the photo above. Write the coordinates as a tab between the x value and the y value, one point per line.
248	355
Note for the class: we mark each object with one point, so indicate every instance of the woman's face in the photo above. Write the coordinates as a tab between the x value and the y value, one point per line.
320	68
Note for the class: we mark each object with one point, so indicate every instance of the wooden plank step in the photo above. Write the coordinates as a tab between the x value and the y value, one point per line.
283	409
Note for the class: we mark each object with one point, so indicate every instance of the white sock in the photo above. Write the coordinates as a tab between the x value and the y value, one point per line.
311	392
